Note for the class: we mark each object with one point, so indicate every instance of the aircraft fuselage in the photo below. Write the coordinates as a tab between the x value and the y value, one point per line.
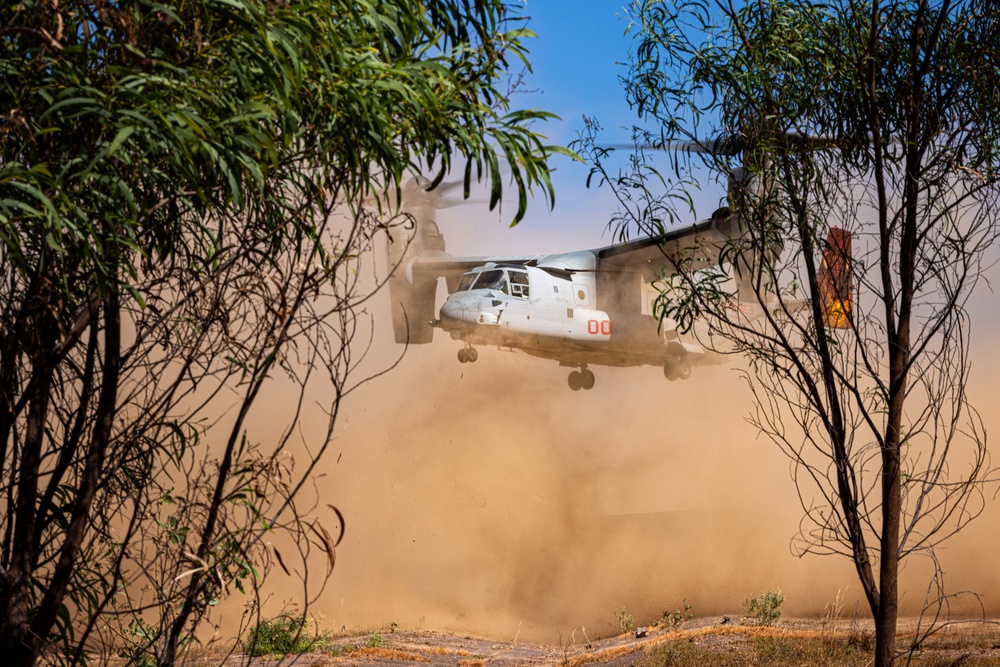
556	312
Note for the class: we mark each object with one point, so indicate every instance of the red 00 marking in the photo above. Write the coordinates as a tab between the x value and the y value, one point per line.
595	327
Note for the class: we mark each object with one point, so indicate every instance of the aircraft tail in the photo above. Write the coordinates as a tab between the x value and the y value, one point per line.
414	234
836	280
836	283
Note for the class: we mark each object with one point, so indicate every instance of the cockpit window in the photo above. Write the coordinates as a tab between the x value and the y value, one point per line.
466	282
518	283
511	281
495	280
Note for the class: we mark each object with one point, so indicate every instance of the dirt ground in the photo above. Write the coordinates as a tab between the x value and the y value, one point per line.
701	641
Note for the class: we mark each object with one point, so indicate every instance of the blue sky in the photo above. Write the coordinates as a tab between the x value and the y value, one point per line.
575	72
577	60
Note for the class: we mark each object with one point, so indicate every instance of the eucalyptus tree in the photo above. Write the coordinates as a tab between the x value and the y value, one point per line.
182	222
859	145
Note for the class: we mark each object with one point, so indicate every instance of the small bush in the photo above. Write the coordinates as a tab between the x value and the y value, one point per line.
676	618
139	638
765	608
284	635
624	620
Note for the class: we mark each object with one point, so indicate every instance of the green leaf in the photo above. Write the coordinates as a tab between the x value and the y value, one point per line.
119	139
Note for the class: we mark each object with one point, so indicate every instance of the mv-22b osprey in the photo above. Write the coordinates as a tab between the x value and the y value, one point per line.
580	308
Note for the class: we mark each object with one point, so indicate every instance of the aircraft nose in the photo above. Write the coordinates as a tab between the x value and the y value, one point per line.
459	310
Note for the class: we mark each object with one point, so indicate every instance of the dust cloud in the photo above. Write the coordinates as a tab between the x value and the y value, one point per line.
488	498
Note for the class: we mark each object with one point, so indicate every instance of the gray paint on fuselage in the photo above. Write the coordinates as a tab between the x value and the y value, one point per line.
552	322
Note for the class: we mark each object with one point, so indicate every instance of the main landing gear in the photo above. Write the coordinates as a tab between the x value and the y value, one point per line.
581	379
468	354
677	369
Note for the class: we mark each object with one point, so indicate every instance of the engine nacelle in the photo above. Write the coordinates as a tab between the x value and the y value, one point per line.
412	309
413	234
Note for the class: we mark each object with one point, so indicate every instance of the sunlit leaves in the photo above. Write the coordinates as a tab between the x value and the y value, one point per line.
215	98
182	161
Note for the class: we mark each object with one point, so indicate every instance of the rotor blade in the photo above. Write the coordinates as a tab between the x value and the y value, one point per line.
721	145
419	186
416	194
452	202
445	187
730	145
811	140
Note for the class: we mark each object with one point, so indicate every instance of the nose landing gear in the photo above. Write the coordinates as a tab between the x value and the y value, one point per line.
468	354
581	379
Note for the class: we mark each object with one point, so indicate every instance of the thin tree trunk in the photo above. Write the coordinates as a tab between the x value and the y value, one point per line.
48	608
15	593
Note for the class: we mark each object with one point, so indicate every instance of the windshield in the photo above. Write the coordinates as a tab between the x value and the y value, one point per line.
513	281
494	280
466	282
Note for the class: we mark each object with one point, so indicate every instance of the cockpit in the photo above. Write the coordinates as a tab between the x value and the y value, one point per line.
510	281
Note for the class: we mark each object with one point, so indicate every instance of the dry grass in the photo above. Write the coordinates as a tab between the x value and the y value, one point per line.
442	650
700	642
752	646
774	650
798	643
382	653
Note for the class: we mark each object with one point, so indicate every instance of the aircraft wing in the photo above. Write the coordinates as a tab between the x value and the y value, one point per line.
431	266
694	247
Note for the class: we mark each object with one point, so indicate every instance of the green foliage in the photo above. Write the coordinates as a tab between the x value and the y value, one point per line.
222	100
169	174
766	607
678	617
684	299
625	622
137	641
287	634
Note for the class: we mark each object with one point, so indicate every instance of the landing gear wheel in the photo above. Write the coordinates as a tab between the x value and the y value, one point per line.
670	370
576	380
683	369
587	379
472	354
463	356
